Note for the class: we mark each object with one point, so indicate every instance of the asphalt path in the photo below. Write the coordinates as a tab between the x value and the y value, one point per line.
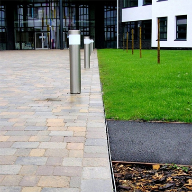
150	142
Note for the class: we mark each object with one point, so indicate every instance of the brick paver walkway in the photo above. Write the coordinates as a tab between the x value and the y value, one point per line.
51	140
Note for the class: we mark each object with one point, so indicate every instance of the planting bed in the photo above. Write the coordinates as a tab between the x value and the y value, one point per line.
144	177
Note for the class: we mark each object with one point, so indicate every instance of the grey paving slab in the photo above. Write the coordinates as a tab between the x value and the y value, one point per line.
51	140
10	189
60	190
31	160
92	185
9	169
25	145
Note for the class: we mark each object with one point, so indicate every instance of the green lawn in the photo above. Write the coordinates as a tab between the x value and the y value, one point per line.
137	88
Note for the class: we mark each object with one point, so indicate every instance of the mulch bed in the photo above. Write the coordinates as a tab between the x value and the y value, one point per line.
143	177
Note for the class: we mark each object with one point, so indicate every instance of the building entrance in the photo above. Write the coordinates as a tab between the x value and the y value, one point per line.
42	40
44	24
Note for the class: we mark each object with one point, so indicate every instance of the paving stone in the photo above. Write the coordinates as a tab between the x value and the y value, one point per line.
57	128
22	152
68	171
74	139
76	129
39	138
5	144
7	160
25	145
95	162
18	138
76	153
61	133
31	160
79	134
96	173
31	189
98	134
71	161
29	181
95	142
9	169
56	153
11	180
10	189
54	181
55	123
56	161
75	145
4	138
20	133
45	170
7	151
60	190
43	133
35	128
75	182
57	139
1	178
95	149
28	170
37	152
95	185
52	145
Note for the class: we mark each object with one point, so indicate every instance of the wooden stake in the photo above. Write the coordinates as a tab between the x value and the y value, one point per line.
132	40
158	48
127	41
140	43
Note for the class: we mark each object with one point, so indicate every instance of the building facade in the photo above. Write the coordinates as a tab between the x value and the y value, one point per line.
44	24
175	22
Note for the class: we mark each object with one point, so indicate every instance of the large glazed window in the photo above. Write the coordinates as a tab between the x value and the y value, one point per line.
128	28
130	3
110	26
147	2
181	30
2	28
146	30
163	28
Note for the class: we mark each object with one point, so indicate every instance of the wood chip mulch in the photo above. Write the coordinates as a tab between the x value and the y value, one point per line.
136	177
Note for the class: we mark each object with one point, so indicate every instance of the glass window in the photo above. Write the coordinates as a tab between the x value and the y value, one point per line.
163	28
146	30
110	24
3	34
181	30
128	28
130	3
147	2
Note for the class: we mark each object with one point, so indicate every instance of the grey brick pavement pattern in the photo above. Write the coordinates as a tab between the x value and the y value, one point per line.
51	140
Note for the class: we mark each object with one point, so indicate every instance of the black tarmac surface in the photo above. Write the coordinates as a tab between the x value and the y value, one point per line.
150	142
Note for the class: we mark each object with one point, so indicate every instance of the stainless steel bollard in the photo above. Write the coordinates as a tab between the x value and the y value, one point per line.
91	46
86	52
75	61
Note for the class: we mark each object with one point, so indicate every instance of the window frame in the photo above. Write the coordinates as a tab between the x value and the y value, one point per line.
165	25
179	32
144	3
130	3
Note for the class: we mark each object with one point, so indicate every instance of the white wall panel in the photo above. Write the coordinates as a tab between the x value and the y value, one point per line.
171	9
137	13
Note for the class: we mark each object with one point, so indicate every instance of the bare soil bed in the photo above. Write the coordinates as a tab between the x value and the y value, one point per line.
144	177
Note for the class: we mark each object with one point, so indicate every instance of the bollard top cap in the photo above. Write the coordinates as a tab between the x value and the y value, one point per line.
74	32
